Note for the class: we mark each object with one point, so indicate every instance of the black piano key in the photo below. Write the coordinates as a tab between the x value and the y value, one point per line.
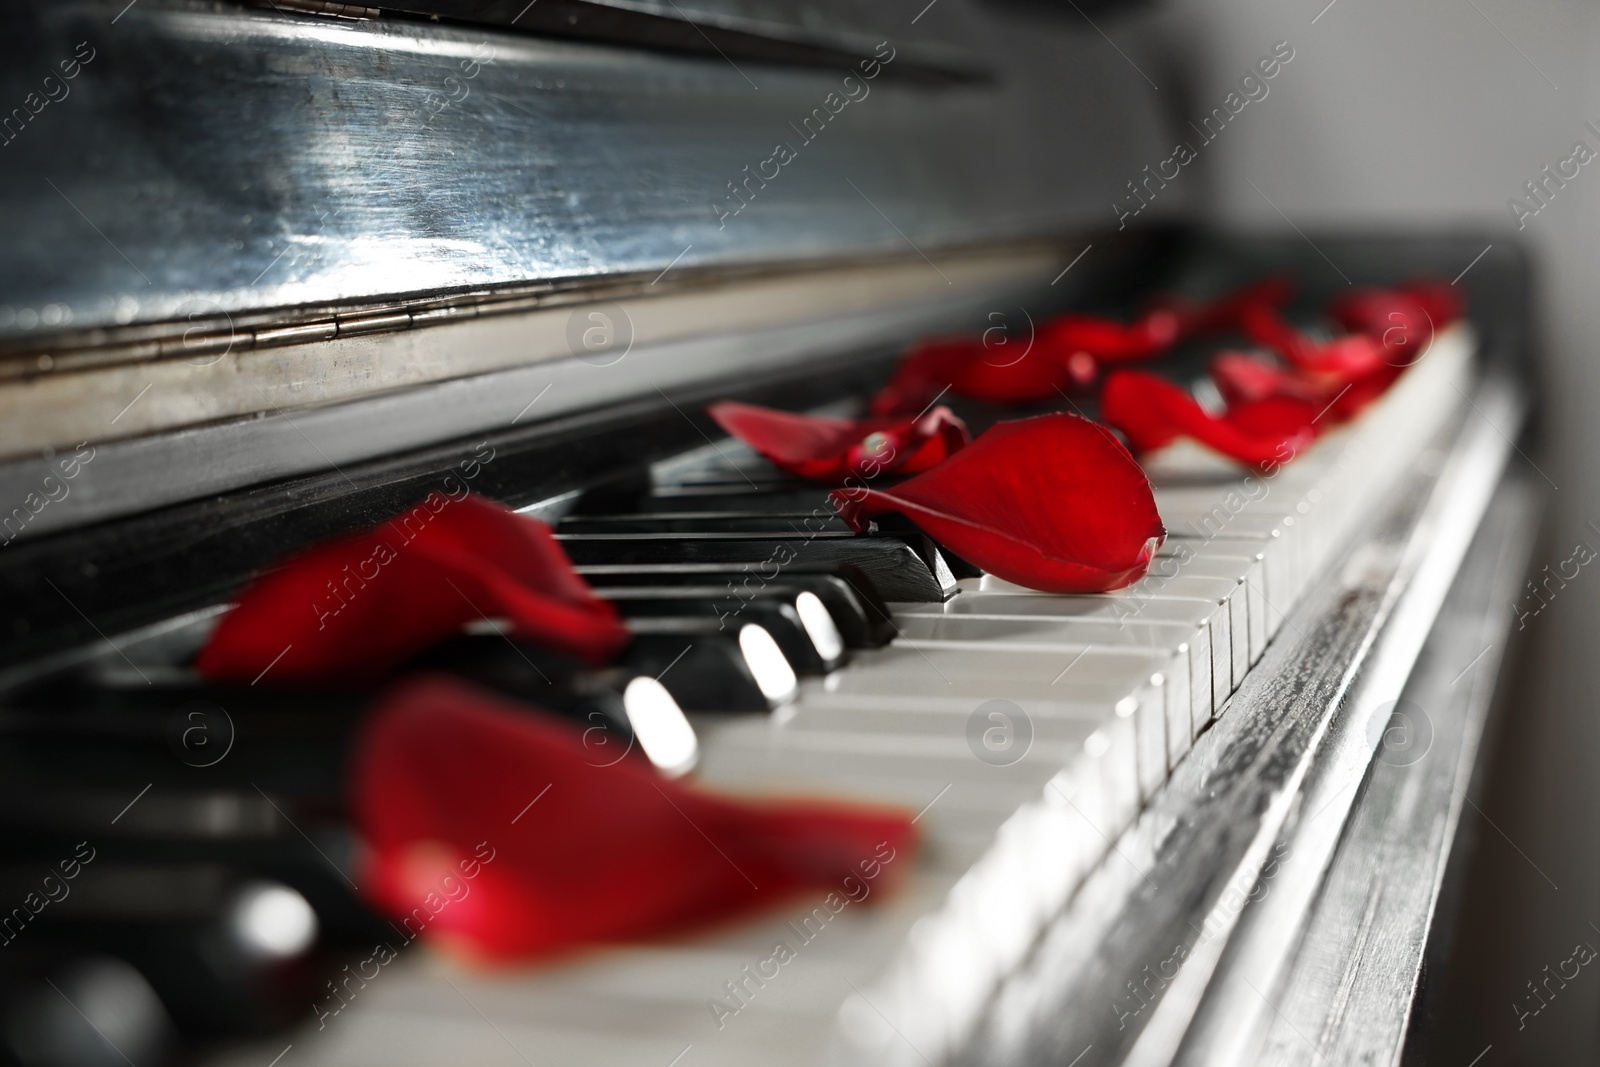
738	525
69	749
757	477
891	567
707	669
809	652
719	676
735	525
863	619
64	1006
225	951
162	810
131	733
777	524
896	525
609	702
805	500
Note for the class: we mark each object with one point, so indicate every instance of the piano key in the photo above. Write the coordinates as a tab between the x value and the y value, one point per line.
1193	643
63	1005
958	678
862	618
1170	658
712	669
1229	593
806	500
810	642
1199	617
753	471
617	706
893	568
1118	670
772	525
225	951
1217	605
873	761
1271	589
1209	560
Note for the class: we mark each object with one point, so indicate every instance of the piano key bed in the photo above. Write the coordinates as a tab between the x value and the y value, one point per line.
1028	730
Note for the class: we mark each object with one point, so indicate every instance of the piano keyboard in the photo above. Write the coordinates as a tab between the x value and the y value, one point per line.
1027	729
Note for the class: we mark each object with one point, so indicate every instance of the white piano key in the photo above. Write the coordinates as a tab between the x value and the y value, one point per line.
1255	538
1231	656
876	749
1115	610
1246	568
1074	640
1191	642
949	674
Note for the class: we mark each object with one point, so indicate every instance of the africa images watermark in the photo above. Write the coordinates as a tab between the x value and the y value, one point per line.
1582	954
1253	89
784	552
450	889
1146	988
406	528
742	990
55	489
851	90
52	889
1540	191
53	89
1255	488
1540	594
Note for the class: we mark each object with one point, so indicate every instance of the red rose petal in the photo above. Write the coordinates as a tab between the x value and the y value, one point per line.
1001	374
1343	359
1242	378
829	449
1066	351
1053	503
1441	300
491	821
349	610
1404	320
1227	311
1350	402
1153	412
1283	419
1109	341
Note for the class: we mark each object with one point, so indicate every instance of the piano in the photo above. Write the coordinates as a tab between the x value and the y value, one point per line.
279	270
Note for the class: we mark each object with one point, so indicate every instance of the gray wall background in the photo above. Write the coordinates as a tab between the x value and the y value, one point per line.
1420	114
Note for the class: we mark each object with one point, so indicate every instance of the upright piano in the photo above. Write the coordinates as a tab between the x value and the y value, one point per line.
276	271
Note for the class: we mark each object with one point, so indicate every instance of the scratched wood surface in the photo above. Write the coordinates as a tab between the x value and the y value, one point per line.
1348	995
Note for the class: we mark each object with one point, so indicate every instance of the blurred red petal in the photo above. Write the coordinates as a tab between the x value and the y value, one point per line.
1053	503
1283	419
1404	320
1351	401
1011	373
1106	340
1227	311
1153	412
1242	378
487	827
1343	358
828	449
1442	301
924	369
351	609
